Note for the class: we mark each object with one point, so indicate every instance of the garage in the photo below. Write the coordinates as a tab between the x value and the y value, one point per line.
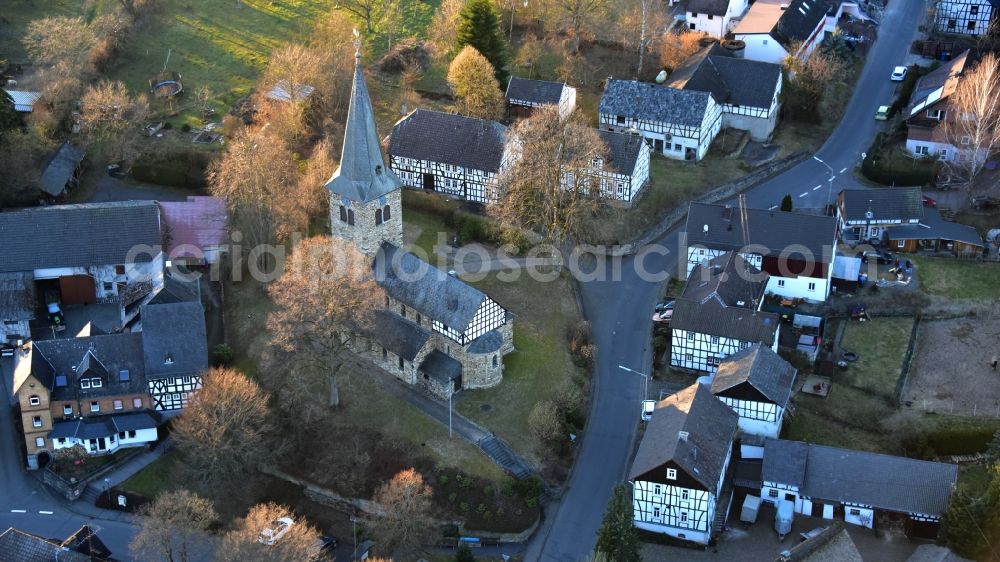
77	289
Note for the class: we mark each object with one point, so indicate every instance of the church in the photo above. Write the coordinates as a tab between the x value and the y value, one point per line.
435	331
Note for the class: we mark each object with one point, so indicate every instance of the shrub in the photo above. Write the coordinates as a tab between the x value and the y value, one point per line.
527	488
544	423
579	335
443	479
452	497
464	554
488	491
182	168
883	166
659	344
473	229
185	128
222	355
167	126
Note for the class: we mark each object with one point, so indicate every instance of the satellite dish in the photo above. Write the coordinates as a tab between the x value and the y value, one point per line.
661	77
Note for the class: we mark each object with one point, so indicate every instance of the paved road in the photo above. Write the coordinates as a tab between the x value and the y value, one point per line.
620	309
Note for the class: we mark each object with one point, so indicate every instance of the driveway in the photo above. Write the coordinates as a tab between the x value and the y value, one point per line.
113	189
620	309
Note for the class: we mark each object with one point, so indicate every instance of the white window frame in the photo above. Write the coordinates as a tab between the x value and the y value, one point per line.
137	402
39	442
67	409
95	406
118	404
900	243
34	400
811	287
36	421
772	493
671	474
84	383
96	383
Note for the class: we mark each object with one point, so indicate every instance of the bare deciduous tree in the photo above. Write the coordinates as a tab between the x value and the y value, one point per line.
111	119
226	429
640	23
675	48
370	12
443	27
972	119
334	35
21	155
254	176
471	78
406	508
550	187
325	297
170	525
811	79
302	72
543	422
60	39
578	19
242	545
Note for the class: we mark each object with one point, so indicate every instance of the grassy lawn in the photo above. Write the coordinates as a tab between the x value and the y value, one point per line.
539	369
421	231
156	478
947	277
672	184
880	345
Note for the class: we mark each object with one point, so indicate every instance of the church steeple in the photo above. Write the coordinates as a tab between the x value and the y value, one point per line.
362	175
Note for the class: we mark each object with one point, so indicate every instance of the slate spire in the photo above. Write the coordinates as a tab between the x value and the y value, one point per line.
362	175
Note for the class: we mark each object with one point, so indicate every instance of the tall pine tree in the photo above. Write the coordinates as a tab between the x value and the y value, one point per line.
479	26
617	538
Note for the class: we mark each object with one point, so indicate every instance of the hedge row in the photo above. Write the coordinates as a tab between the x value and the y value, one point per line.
178	169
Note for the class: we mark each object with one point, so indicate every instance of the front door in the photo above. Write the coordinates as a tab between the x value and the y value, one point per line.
429	181
658	145
817	509
102	444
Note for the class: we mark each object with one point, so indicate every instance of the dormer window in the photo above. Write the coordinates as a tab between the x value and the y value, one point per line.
84	383
95	383
34	400
169	360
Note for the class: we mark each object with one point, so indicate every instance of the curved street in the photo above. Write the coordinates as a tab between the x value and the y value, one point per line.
619	309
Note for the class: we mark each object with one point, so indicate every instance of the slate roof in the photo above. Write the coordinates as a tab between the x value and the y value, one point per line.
19	546
799	20
399	335
774	230
534	91
762	368
487	343
78	235
440	367
104	355
94	427
449	138
710	427
17	296
887	204
86	541
60	168
622	150
785	462
945	79
711	302
653	102
362	175
729	79
933	227
176	290
713	7
176	330
883	481
427	289
280	91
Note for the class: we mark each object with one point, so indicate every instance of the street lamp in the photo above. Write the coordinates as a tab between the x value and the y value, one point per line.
829	190
645	380
354	527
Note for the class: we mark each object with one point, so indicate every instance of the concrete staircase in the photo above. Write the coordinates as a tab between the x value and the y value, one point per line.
504	457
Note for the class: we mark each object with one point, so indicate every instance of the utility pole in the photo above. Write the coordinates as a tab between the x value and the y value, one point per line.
449	414
829	190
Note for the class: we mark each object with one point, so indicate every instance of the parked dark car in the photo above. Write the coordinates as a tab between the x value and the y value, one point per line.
323	548
985	202
667	304
879	257
928	201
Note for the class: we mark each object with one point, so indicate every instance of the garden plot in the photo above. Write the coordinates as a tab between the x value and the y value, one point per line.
951	372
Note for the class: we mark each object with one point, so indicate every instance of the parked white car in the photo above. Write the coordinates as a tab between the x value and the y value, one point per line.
898	74
647	409
278	529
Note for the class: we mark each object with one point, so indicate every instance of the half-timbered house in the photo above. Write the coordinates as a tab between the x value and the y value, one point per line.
175	352
775	29
679	475
929	110
622	170
757	384
435	330
858	486
524	95
967	17
796	250
105	391
718	314
747	90
714	17
449	153
679	124
871	213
